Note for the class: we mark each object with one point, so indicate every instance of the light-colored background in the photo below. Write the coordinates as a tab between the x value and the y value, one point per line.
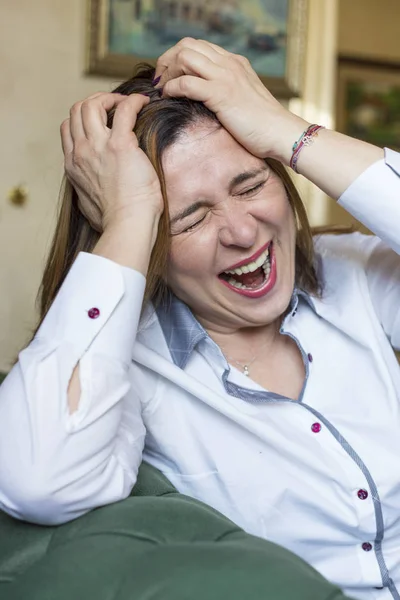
42	50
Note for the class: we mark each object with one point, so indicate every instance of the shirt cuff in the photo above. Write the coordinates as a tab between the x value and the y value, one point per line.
98	307
374	199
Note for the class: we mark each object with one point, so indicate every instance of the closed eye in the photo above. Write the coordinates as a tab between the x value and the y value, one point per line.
194	224
253	189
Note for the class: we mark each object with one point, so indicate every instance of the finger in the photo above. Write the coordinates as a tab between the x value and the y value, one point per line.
89	209
216	48
75	123
192	62
207	48
189	86
75	120
212	51
96	95
66	138
126	113
94	113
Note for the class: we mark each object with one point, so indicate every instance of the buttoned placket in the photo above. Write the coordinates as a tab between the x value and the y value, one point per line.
364	491
370	547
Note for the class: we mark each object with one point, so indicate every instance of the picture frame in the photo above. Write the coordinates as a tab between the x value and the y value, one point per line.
368	100
122	33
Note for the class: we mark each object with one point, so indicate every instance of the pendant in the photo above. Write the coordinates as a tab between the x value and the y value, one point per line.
245	370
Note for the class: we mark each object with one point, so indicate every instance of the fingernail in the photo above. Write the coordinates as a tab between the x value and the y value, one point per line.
145	94
156	80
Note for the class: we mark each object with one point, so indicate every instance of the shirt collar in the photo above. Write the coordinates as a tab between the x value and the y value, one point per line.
181	329
183	332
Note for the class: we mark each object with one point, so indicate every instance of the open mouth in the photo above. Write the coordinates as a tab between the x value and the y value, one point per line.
254	278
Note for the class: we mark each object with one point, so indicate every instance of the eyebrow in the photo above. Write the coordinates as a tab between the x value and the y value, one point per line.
242	177
238	179
189	210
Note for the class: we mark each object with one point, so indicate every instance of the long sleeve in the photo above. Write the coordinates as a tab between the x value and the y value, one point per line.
55	466
374	199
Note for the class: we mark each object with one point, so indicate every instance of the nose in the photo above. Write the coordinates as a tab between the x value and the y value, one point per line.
238	227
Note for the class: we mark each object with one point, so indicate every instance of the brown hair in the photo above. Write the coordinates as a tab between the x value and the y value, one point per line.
158	126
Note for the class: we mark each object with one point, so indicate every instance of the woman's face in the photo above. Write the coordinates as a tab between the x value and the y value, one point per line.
232	257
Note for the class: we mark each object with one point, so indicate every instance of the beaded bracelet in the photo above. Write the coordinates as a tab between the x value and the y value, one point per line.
306	139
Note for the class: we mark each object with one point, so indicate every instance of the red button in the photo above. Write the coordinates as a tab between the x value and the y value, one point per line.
316	427
362	494
366	546
93	313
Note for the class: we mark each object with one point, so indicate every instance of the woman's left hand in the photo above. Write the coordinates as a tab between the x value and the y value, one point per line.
227	84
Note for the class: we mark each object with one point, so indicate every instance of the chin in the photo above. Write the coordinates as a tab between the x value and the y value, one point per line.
272	309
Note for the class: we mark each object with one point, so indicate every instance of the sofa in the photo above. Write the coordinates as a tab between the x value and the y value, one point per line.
155	545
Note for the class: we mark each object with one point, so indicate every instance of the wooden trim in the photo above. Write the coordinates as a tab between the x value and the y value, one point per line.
369	62
100	62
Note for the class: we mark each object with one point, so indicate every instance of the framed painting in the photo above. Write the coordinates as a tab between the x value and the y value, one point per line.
368	101
271	33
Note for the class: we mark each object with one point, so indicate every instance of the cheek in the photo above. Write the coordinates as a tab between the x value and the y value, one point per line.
282	213
176	265
186	259
194	252
279	215
274	206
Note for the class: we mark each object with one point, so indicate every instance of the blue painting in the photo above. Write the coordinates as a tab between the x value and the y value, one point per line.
254	28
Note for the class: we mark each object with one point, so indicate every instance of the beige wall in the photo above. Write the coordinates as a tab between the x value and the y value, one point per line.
317	104
41	63
367	29
370	28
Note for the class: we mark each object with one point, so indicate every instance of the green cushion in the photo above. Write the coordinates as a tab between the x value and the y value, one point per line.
155	545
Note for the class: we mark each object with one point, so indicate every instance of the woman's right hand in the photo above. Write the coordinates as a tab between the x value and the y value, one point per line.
112	176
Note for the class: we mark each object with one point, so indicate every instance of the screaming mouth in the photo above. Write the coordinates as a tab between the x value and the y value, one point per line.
252	275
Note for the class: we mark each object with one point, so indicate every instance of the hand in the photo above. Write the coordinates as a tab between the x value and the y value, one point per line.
227	84
111	174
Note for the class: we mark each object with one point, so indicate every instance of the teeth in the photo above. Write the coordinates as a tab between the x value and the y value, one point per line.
236	284
266	268
253	266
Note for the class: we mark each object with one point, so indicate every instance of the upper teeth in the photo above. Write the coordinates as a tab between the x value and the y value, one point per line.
252	266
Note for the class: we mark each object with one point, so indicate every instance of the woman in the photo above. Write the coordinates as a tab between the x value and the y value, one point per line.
253	369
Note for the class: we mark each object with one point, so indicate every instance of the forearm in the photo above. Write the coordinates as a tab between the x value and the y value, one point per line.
128	242
54	469
333	162
231	89
64	464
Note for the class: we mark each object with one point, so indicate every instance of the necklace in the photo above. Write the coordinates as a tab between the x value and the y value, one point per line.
245	366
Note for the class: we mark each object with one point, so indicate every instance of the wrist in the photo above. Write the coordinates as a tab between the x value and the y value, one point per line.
147	211
289	130
124	220
129	240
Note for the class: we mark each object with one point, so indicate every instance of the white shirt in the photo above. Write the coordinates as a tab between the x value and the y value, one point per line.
320	476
